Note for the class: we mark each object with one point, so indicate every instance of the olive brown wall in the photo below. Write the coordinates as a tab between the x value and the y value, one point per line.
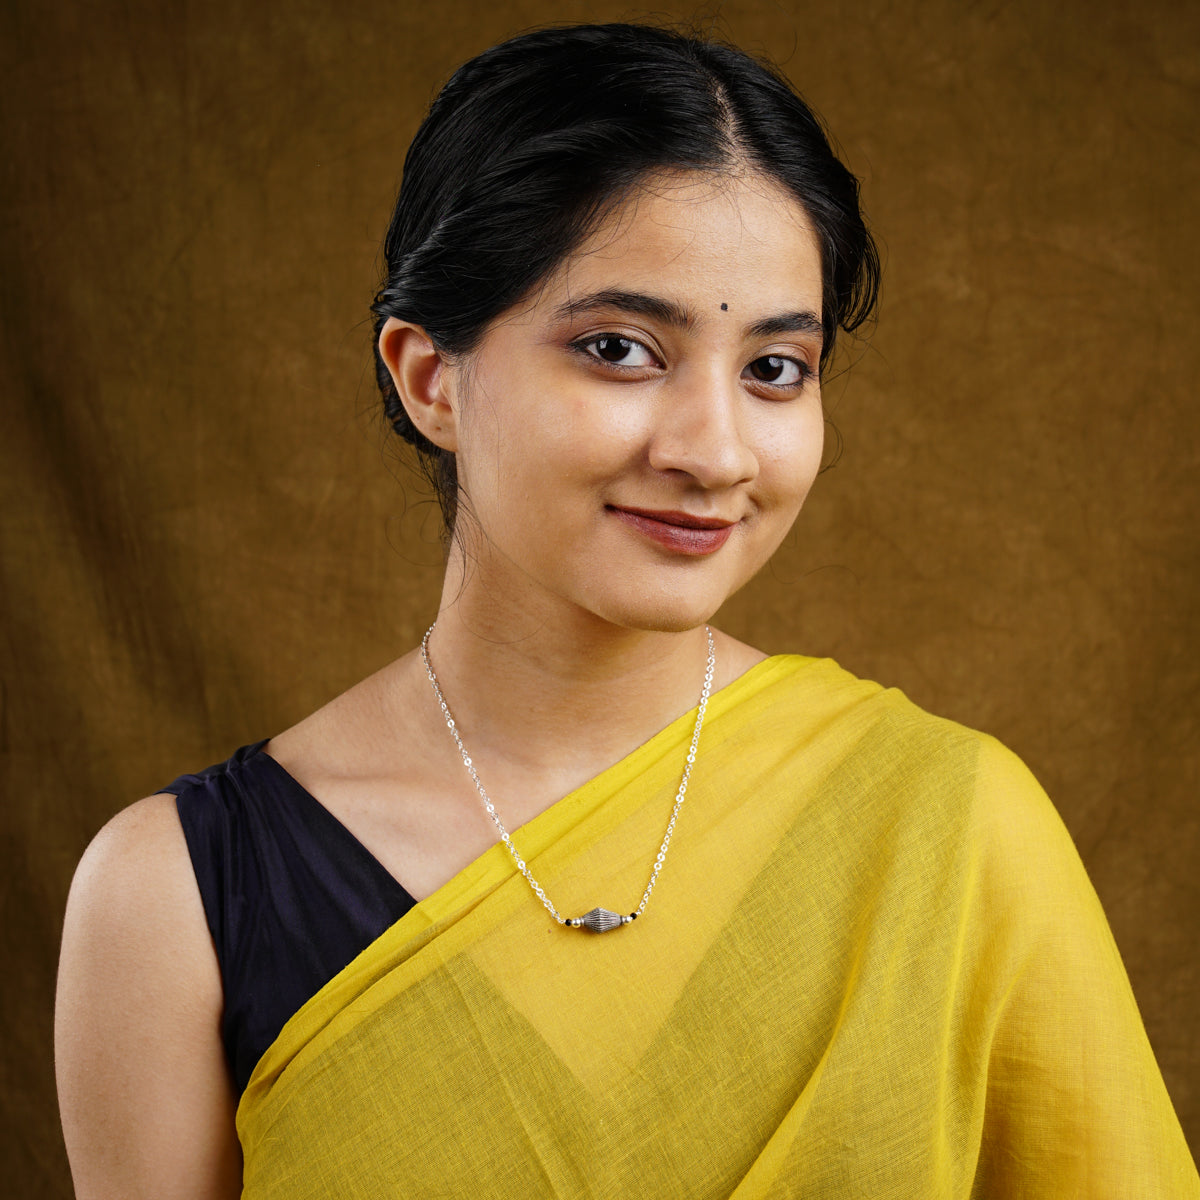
206	533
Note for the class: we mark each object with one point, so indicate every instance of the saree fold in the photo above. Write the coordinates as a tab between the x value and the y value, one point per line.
873	966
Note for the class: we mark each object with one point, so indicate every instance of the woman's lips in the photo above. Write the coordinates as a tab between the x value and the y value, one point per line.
677	531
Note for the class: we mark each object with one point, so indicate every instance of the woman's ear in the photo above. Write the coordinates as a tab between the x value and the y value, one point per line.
423	381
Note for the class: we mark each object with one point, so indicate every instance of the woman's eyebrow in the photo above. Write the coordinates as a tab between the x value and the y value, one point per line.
795	322
641	303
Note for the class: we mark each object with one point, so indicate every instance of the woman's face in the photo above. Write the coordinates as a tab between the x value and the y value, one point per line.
635	440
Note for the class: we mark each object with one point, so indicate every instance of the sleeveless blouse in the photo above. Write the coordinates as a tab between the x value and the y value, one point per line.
291	896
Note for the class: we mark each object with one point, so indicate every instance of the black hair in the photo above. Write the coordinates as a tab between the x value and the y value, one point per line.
530	144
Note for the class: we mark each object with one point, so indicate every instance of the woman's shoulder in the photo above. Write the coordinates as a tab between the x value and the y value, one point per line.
944	799
903	753
143	1087
134	905
141	1076
819	692
134	911
135	866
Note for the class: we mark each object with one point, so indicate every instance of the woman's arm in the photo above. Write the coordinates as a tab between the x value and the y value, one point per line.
147	1103
1076	1105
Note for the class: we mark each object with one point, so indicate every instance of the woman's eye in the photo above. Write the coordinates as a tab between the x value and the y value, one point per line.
622	351
778	370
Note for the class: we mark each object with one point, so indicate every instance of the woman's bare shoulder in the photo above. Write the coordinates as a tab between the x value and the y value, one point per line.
145	1095
143	830
135	879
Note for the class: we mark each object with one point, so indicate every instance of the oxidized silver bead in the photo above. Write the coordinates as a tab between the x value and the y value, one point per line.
600	920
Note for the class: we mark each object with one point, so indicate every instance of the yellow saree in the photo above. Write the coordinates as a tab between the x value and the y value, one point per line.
873	967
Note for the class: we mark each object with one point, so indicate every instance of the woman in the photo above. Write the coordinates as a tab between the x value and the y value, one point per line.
581	897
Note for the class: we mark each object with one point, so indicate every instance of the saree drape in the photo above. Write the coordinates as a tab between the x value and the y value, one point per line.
873	966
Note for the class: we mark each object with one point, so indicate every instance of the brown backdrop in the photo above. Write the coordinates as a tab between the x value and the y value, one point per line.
203	538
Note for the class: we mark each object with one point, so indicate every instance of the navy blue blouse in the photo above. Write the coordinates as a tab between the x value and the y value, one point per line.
290	894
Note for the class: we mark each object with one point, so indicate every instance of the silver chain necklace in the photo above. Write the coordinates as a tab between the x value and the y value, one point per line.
599	920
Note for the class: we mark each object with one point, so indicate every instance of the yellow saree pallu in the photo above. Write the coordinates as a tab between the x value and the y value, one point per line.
872	967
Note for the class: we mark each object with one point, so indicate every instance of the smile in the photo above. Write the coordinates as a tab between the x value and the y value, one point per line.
677	531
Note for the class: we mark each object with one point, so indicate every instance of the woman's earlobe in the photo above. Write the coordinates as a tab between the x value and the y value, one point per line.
422	380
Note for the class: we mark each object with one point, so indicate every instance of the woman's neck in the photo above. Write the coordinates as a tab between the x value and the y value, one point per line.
533	692
545	693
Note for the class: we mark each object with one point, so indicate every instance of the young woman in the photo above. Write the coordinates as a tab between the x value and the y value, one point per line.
582	897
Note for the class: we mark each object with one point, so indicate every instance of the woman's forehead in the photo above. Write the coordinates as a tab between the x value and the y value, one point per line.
738	240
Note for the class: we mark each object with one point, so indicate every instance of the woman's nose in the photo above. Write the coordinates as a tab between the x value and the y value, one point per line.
700	430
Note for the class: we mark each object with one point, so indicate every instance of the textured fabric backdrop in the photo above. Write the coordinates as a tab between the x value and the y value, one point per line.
206	534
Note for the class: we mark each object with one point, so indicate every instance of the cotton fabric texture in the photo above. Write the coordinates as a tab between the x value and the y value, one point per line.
873	966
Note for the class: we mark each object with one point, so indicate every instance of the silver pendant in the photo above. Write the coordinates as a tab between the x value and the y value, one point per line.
600	920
